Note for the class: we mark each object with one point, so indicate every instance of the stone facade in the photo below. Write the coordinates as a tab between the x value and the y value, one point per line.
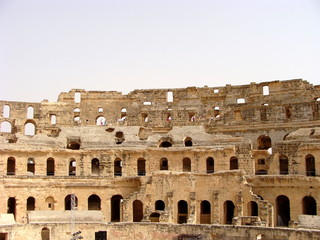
233	162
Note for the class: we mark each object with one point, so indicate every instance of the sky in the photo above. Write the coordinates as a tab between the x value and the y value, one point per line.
53	46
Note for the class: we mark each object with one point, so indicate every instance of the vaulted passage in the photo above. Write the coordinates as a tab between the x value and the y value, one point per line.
282	210
309	206
182	212
228	212
137	208
116	208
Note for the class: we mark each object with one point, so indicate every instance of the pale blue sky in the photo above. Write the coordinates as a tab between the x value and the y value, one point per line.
51	46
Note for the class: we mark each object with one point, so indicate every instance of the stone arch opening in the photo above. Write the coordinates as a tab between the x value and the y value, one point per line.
50	167
228	211
29	129
50	203
6	111
188	142
116	210
72	167
283	165
182	212
74	145
94	202
118	167
205	212
119	137
154	217
252	208
283	210
234	163
45	234
6	127
68	205
12	206
210	165
264	142
159	205
309	206
30	112
31	166
11	166
31	204
164	164
141	167
186	165
137	211
101	120
310	165
95	166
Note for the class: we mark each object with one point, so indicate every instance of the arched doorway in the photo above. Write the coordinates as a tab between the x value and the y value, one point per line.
68	202
283	210
182	212
160	205
205	212
137	209
234	164
12	206
310	165
252	208
164	164
117	167
210	165
283	165
50	167
95	166
264	142
141	167
116	208
309	206
94	202
45	234
228	212
31	204
11	166
186	165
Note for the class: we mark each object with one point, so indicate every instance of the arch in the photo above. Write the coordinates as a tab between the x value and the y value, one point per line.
141	163
160	205
164	164
137	207
123	116
95	165
264	142
283	210
72	167
6	127
6	111
101	120
252	208
310	165
188	142
309	206
186	164
210	165
50	203
234	163
29	129
45	234
182	212
117	167
94	202
116	208
68	204
31	166
283	165
31	204
154	217
50	167
205	212
228	211
11	206
74	145
30	112
76	110
165	144
11	166
119	137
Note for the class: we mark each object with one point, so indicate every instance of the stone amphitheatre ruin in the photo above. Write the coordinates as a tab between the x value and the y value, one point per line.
233	162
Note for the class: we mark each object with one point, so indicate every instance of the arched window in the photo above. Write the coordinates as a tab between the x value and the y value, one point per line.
234	164
6	111
72	167
188	142
186	165
117	167
310	165
50	167
164	164
76	110
94	202
6	127
95	164
29	129
53	119
101	120
182	212
116	208
141	167
309	206
31	166
160	205
11	166
71	202
264	142
30	112
31	204
228	212
165	144
283	210
252	208
137	211
50	203
205	212
283	165
45	234
210	165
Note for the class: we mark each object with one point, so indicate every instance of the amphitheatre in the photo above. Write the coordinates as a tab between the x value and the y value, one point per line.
232	162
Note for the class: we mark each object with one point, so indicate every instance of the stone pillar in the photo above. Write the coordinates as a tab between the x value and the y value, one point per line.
192	208
169	207
239	205
215	217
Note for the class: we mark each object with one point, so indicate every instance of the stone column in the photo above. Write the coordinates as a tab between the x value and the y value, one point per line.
215	217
